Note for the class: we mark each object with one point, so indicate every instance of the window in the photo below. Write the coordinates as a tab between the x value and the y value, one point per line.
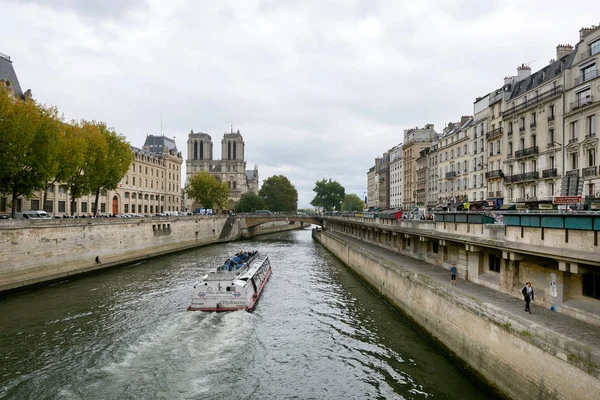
494	263
84	207
574	133
551	111
533	140
35	204
591	156
196	150
550	137
103	207
510	149
588	73
591	125
48	206
62	207
201	152
595	47
551	162
533	166
574	161
551	189
133	181
591	285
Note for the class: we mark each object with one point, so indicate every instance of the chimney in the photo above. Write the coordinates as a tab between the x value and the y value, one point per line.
464	119
563	50
523	71
509	79
586	31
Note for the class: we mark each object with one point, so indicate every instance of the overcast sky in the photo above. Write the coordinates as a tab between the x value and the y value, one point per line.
317	88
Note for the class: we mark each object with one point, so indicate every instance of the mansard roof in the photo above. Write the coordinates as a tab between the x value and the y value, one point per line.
8	72
157	144
549	72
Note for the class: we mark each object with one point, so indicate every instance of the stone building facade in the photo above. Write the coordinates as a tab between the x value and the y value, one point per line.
230	168
415	140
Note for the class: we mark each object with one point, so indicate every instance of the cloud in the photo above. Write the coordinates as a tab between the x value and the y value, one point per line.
317	89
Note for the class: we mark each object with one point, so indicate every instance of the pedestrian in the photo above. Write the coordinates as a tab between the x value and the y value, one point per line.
453	274
527	295
97	259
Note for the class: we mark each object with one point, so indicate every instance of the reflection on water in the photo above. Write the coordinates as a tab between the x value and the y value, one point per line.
317	333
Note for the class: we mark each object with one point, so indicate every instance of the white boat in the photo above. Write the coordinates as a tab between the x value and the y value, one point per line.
232	289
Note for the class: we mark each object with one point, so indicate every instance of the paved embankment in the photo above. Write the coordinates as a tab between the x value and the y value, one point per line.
540	355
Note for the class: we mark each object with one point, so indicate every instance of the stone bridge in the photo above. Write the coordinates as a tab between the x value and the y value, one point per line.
248	221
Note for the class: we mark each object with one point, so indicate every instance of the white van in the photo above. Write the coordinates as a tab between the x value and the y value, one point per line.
33	214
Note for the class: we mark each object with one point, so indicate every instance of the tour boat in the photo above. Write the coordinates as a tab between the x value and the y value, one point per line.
232	288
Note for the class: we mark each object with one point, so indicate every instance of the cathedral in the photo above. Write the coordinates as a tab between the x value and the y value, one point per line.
231	168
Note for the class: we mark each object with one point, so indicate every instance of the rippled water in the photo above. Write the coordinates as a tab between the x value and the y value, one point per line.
317	333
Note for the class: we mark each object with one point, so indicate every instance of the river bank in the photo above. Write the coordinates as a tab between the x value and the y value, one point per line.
34	252
544	355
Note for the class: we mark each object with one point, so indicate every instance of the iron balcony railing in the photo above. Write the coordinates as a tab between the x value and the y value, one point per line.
589	135
494	133
532	125
498	193
508	178
530	151
572	173
490	194
549	173
589	172
573	140
494	174
532	101
527	176
584	78
451	175
582	102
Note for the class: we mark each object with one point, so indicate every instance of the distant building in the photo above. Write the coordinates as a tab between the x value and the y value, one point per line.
231	168
396	176
415	140
372	198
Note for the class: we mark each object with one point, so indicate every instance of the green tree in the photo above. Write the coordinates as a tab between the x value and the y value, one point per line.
279	194
329	195
207	190
108	160
352	203
249	202
28	137
78	144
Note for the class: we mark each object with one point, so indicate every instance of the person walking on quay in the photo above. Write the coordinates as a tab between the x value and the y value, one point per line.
528	296
453	274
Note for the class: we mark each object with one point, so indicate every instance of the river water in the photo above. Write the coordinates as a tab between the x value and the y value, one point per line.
317	333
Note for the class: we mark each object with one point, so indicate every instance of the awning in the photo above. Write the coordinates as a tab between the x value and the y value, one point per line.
508	207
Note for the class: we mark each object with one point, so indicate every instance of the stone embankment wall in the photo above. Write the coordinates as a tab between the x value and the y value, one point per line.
520	363
38	251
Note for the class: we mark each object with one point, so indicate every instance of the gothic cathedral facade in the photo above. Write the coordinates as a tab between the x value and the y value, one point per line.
231	168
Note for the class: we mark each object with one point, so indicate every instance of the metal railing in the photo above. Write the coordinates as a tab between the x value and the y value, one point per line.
451	174
584	78
589	172
494	174
530	151
499	193
582	102
573	140
494	133
532	125
533	100
527	176
549	173
572	173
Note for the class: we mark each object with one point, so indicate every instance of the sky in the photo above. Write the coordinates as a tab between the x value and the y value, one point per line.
318	89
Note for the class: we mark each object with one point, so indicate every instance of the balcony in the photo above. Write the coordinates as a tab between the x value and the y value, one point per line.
587	54
499	193
590	172
573	140
572	173
509	133
451	175
494	133
494	174
587	77
527	176
522	129
582	102
530	151
532	125
532	101
549	173
590	135
551	118
509	156
490	194
508	179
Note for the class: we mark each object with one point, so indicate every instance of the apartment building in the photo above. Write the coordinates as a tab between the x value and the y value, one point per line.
415	140
382	166
533	156
371	188
396	176
495	143
453	152
581	116
432	191
422	179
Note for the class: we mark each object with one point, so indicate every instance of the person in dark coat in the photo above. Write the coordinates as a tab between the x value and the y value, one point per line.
527	295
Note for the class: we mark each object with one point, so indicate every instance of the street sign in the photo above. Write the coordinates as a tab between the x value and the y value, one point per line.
566	200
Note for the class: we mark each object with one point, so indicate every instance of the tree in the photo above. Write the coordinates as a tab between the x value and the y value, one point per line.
107	160
28	141
279	194
249	202
329	195
352	203
207	190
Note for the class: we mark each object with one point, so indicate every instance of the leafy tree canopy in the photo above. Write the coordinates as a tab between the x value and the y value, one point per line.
28	139
249	202
207	190
352	203
279	194
329	195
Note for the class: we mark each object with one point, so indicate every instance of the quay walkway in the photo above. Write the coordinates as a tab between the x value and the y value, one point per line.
571	328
